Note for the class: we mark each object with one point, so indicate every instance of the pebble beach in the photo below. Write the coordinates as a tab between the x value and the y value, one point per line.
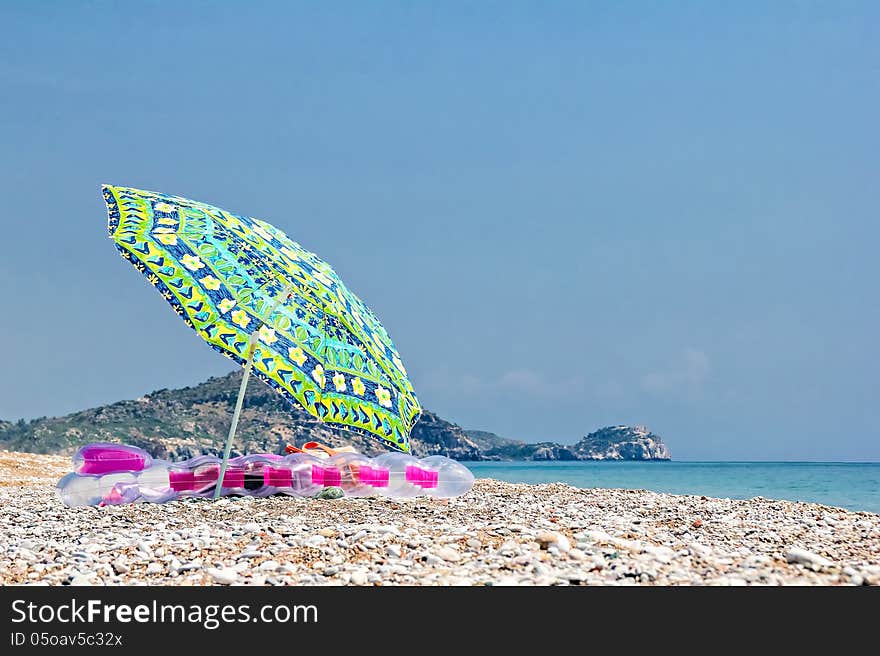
497	534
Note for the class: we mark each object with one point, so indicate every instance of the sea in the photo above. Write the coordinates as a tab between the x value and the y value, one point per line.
855	486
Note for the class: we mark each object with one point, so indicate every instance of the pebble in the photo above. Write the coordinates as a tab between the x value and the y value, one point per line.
448	554
250	554
27	555
807	558
548	539
195	564
330	493
226	575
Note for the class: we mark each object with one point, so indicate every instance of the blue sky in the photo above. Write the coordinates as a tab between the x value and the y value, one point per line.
567	215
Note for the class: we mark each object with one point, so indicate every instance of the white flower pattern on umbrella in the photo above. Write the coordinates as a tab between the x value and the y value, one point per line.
357	386
296	355
192	262
241	318
383	396
267	335
318	375
210	282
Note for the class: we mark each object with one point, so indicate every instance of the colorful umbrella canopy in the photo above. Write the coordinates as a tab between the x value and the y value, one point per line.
267	303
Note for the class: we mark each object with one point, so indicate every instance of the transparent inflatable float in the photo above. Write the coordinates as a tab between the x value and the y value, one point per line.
107	474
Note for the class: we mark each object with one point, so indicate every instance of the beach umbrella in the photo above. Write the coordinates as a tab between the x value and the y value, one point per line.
264	301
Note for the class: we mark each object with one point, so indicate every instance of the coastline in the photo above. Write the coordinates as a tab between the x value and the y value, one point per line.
497	534
850	485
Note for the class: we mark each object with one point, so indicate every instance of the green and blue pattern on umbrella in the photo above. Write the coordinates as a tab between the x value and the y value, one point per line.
322	348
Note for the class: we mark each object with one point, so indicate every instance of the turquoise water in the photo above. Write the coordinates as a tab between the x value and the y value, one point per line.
849	485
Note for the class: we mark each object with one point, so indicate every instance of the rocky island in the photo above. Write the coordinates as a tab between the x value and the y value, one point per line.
610	443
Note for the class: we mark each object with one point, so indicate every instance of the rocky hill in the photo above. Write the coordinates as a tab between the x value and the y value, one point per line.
186	422
610	443
622	443
183	423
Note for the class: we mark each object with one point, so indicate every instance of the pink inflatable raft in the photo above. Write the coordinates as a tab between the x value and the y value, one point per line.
118	473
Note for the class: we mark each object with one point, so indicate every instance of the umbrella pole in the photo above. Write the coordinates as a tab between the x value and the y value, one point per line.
252	347
235	415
